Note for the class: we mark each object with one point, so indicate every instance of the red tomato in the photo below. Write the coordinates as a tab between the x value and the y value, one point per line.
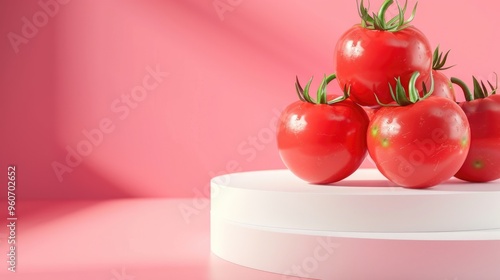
442	85
419	145
322	143
368	56
483	161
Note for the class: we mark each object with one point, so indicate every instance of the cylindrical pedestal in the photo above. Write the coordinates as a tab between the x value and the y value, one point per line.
360	228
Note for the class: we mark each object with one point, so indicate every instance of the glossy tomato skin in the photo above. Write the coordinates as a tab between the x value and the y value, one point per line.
483	161
442	85
322	143
420	145
368	60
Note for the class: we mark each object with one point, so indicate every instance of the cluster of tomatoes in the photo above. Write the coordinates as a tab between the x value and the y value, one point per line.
396	106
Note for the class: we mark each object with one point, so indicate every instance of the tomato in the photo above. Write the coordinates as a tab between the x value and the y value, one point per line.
483	112
442	84
322	142
369	56
421	144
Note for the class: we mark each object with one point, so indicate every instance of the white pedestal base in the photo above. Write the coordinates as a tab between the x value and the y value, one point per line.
361	228
358	256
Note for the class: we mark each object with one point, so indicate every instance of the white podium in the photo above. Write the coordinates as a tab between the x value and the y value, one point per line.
360	228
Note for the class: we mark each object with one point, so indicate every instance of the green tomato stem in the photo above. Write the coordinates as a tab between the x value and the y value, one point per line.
379	22
399	94
439	61
412	91
321	95
468	95
383	10
478	91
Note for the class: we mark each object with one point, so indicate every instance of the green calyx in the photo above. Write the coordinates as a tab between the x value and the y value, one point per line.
321	96
439	61
480	90
399	94
379	22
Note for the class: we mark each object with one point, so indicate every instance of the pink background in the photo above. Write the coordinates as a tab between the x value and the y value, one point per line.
229	74
79	76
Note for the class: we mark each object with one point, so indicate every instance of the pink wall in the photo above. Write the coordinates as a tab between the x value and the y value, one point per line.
159	96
